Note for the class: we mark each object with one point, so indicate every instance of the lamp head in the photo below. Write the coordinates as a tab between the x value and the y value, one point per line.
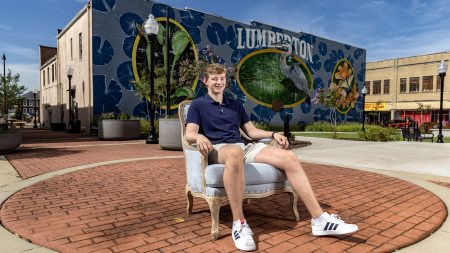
442	68
69	71
34	91
364	90
150	25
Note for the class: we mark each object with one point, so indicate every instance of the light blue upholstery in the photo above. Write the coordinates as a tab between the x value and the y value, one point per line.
206	181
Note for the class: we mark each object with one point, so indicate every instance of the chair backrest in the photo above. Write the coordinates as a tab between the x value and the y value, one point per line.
183	109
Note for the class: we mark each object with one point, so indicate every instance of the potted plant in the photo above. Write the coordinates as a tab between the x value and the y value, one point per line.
10	138
120	126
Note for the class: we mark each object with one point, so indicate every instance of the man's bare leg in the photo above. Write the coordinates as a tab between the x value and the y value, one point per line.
233	177
288	161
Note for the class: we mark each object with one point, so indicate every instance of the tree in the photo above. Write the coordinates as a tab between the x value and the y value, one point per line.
329	97
13	90
423	108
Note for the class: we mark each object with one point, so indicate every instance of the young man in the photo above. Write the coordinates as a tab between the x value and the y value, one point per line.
213	123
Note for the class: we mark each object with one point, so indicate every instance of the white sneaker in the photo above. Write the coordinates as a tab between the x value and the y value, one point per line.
243	236
333	225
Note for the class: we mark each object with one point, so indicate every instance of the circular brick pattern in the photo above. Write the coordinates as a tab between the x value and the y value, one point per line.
140	207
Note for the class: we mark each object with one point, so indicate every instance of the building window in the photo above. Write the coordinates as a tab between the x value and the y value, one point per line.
25	110
53	73
438	83
427	84
24	102
387	86
71	49
402	85
413	84
80	45
376	87
43	77
48	74
367	84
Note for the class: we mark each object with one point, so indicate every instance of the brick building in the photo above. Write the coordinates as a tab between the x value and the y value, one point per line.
408	86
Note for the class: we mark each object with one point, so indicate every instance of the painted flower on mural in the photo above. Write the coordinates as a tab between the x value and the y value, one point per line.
358	53
362	72
344	74
262	114
106	96
232	37
125	74
323	48
128	23
306	106
103	51
216	34
103	5
335	55
192	20
159	10
128	44
289	112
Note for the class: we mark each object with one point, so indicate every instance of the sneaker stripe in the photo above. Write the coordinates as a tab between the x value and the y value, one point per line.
335	226
236	235
326	226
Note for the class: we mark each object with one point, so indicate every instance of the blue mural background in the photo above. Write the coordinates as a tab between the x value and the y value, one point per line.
114	34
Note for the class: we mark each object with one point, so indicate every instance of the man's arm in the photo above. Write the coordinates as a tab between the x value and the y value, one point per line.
192	136
258	134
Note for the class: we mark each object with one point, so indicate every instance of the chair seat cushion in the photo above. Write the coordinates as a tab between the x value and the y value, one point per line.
255	174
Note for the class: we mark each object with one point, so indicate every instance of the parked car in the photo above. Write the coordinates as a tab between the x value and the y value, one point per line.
395	123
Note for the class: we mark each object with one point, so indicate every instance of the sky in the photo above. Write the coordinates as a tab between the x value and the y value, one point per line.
387	29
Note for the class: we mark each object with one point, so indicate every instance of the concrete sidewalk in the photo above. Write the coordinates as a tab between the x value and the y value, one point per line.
421	163
85	200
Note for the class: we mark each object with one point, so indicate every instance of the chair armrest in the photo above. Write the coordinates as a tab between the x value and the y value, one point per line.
196	164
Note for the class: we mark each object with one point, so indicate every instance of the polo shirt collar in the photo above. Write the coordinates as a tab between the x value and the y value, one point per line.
210	100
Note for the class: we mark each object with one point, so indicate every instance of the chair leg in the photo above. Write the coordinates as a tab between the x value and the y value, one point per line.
190	200
214	208
293	196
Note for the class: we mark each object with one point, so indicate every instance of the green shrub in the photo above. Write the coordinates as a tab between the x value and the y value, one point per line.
145	125
322	126
380	134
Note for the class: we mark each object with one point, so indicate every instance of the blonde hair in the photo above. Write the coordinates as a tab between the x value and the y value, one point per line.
213	69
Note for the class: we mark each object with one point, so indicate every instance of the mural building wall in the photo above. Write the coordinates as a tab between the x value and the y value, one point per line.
274	72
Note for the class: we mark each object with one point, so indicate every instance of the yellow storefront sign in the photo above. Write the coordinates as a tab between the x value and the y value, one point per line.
374	106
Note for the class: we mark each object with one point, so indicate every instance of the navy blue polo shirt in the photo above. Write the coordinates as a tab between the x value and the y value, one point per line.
220	123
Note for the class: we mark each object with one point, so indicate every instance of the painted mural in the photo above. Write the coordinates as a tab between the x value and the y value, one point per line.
273	72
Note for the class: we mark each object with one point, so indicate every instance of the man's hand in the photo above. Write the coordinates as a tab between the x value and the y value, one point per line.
281	140
203	144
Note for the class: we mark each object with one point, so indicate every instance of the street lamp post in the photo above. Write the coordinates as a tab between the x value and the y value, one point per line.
35	110
5	104
151	27
69	75
442	70
364	93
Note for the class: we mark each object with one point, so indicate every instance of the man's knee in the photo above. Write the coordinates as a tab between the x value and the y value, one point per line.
231	155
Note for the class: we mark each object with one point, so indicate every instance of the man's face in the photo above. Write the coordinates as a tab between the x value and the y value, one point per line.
216	83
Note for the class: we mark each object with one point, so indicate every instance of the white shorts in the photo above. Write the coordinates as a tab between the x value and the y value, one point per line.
250	151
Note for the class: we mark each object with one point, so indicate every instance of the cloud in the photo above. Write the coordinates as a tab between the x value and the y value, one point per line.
6	28
29	74
22	52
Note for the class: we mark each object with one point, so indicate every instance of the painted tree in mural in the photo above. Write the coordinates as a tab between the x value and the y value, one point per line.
329	97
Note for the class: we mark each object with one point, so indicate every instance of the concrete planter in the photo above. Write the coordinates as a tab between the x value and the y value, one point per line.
170	134
112	129
10	141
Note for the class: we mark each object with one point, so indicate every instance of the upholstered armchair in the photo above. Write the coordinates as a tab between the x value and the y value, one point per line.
206	180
